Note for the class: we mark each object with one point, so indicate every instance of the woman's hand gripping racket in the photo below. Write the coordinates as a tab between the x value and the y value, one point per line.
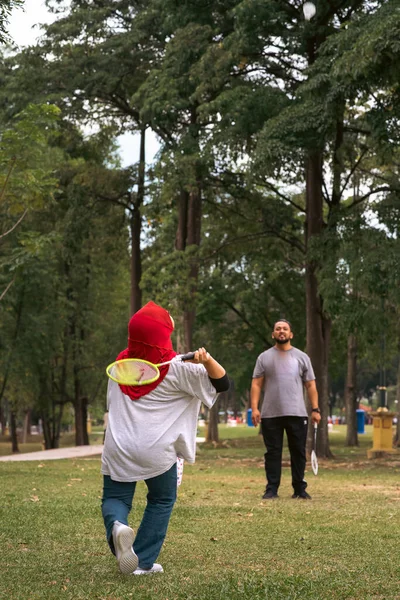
314	460
135	371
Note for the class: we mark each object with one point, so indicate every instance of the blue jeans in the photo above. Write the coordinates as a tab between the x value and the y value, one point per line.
117	504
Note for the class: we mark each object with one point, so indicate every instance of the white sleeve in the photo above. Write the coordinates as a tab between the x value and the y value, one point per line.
109	394
195	381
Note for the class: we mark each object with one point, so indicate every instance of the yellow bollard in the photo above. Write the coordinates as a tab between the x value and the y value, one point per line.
382	436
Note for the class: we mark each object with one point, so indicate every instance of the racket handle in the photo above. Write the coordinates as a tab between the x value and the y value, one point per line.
315	425
188	356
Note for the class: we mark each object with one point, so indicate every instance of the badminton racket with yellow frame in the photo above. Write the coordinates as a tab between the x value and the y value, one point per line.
136	371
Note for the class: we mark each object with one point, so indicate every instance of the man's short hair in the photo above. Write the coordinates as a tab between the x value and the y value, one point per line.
283	321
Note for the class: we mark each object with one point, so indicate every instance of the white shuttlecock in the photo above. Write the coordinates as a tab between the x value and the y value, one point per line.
309	10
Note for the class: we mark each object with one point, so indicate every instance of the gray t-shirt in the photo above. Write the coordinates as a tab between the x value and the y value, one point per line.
284	374
145	437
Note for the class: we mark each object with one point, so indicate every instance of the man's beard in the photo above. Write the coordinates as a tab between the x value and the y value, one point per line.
282	340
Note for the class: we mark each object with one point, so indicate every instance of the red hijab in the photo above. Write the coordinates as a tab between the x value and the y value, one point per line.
149	338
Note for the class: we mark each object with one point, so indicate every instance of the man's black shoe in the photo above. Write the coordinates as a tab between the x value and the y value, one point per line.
302	496
270	495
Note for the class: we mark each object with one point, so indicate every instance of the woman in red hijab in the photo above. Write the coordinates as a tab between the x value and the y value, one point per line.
149	428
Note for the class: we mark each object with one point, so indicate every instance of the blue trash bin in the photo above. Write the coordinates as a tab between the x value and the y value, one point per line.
360	420
249	421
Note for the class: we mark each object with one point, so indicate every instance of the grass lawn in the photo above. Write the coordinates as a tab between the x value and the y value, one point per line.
223	543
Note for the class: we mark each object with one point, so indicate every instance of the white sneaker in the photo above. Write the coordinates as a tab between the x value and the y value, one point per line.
123	537
156	568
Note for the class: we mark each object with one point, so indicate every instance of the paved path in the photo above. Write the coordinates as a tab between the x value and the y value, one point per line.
57	453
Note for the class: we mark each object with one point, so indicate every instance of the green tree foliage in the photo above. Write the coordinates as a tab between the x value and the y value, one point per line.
248	277
91	62
276	183
27	183
315	139
69	308
26	177
6	6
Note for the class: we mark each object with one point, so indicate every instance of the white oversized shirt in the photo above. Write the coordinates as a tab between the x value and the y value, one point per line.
145	437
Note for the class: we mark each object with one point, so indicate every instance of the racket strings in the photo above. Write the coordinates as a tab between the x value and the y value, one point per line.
314	459
314	462
133	372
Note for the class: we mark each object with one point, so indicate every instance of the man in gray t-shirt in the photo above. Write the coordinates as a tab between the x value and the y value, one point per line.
284	371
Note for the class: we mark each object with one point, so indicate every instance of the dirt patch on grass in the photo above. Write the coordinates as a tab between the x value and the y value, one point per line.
379	488
359	463
223	461
333	464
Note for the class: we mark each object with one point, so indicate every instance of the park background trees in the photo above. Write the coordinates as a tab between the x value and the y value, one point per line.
274	193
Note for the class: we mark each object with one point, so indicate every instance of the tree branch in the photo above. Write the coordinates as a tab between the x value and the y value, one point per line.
270	186
116	201
15	225
244	319
224	209
326	193
362	198
294	242
363	153
7	288
351	129
10	168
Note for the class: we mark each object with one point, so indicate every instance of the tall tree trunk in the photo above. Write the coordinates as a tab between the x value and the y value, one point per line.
52	424
351	392
27	426
318	325
51	410
13	426
189	234
180	245
51	428
3	421
46	432
212	427
13	431
180	343
193	238
181	232
79	428
57	425
80	401
189	228
136	229
397	434
12	346
81	414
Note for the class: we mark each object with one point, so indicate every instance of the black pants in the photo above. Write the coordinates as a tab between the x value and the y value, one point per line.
296	431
